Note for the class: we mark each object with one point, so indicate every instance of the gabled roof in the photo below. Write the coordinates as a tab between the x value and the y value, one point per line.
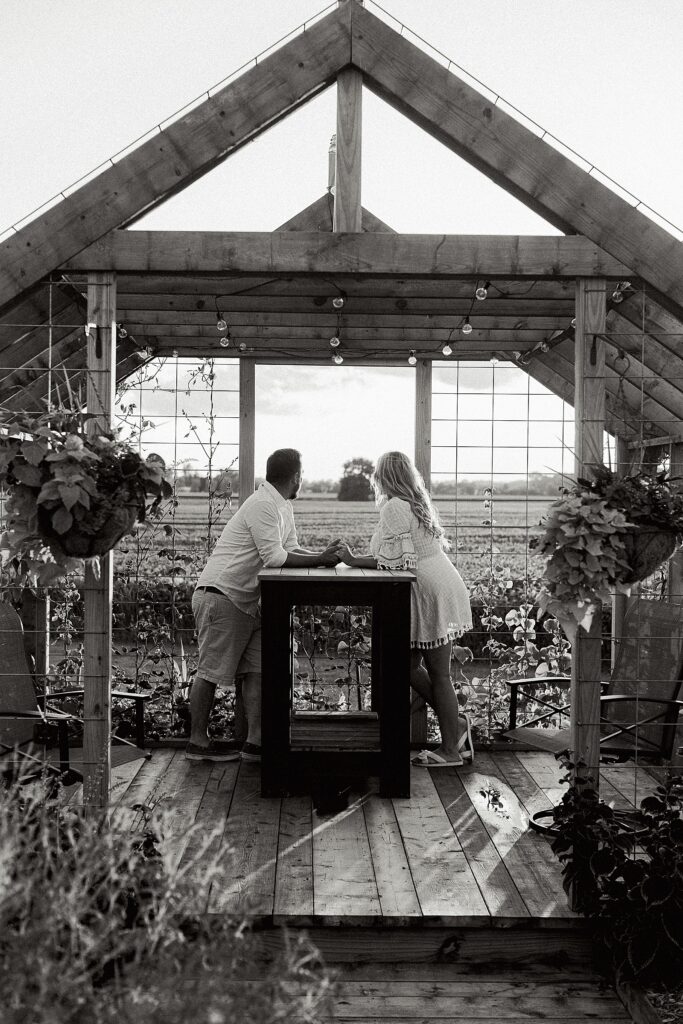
72	236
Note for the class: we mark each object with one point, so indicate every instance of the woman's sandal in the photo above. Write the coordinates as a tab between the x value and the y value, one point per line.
465	745
430	759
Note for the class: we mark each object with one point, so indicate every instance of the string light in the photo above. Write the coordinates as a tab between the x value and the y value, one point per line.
221	324
618	293
467	326
482	291
335	341
224	342
243	346
121	331
447	350
337	358
412	358
338	301
494	360
573	323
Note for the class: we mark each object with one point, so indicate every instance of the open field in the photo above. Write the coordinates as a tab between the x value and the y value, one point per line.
477	534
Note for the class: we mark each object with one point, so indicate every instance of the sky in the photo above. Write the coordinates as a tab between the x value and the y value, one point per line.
81	80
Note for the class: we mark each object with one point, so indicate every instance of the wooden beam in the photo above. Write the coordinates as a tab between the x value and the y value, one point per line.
171	160
589	414
347	180
675	580
98	586
509	153
304	252
407	288
247	428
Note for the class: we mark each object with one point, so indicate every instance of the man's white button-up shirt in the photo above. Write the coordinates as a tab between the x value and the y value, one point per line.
259	535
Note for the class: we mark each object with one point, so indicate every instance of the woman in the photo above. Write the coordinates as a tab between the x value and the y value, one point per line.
409	536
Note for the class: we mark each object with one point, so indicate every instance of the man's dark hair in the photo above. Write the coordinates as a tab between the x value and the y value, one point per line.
282	465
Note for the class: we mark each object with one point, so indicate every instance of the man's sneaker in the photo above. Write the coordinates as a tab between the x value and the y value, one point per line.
251	752
216	750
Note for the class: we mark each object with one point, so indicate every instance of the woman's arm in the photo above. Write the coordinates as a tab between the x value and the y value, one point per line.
356	561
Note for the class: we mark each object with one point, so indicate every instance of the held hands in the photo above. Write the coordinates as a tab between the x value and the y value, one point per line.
330	556
346	555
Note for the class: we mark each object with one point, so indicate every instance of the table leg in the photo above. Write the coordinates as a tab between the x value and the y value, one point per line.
394	669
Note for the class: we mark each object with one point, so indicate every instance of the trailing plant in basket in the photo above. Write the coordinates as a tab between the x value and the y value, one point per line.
71	493
603	535
628	882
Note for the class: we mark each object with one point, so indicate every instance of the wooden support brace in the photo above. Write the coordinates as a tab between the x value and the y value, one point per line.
423	462
247	428
97	654
347	191
589	410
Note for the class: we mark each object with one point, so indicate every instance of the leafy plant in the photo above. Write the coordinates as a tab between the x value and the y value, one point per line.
102	926
627	877
589	539
72	493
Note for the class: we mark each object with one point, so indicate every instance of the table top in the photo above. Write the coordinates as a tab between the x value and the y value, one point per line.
337	574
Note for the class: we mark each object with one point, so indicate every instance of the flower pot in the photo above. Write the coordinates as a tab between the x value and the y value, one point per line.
646	549
76	543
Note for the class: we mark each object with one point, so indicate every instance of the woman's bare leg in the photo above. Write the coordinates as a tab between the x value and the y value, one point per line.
445	701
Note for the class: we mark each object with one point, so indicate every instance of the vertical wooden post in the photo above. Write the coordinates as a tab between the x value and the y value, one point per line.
620	601
589	411
99	581
247	428
347	190
423	419
675	586
423	462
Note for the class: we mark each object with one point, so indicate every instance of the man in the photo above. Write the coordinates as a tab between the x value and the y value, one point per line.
225	603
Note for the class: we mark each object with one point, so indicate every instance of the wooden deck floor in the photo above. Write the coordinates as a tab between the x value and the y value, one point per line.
457	853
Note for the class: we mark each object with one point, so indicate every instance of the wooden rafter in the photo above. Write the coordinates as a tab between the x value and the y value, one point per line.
170	161
509	153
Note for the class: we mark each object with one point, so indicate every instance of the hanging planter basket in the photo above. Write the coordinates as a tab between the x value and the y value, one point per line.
646	549
78	542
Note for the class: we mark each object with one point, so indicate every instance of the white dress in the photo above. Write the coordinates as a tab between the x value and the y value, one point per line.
440	604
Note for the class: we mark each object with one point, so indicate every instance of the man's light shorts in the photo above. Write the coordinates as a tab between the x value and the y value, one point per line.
229	639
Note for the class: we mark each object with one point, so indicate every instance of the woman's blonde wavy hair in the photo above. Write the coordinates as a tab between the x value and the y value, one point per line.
396	476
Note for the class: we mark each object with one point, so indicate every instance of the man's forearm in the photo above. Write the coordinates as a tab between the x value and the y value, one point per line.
301	557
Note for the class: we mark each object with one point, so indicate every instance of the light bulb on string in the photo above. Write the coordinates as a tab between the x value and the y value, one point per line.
221	324
174	353
447	350
337	358
412	358
243	346
338	301
494	360
224	342
467	326
617	295
482	291
573	323
335	341
121	331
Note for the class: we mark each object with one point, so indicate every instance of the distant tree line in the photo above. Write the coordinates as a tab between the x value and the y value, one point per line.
355	484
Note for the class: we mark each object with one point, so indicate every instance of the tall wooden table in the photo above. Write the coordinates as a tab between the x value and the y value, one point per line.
283	767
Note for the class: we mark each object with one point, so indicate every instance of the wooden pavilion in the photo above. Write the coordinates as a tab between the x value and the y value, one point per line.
573	311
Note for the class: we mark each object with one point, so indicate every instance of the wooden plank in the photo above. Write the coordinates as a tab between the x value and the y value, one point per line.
245	882
444	882
171	160
395	887
247	435
547	942
493	878
304	252
525	165
474	1000
127	814
443	973
504	794
294	869
179	804
347	179
98	586
344	883
203	847
589	419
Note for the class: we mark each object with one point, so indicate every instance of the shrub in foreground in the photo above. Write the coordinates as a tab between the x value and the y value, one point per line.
98	925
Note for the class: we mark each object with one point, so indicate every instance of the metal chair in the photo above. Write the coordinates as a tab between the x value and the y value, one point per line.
640	703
